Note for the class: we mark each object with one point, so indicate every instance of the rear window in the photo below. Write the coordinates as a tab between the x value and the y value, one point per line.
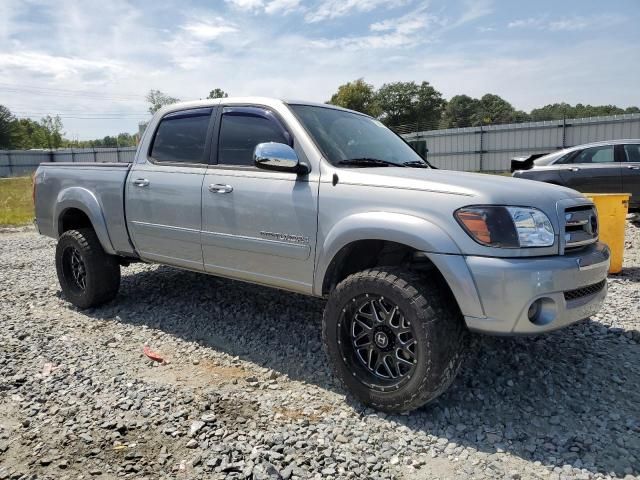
181	137
633	153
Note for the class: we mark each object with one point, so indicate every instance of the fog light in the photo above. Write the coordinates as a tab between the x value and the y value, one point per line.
542	311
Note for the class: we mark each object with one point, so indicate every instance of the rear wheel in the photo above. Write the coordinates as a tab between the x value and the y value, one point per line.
394	338
88	276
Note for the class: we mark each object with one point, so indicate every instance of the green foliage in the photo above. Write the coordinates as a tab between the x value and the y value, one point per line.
16	206
558	111
460	111
7	128
408	102
158	99
218	93
357	95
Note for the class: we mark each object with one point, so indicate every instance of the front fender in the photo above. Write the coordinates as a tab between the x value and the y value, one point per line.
415	232
85	201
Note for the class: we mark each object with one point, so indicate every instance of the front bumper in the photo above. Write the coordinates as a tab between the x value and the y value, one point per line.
507	287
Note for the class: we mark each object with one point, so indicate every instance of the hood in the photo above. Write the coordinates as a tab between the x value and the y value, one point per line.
481	188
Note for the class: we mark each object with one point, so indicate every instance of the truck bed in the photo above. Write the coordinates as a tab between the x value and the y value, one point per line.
62	186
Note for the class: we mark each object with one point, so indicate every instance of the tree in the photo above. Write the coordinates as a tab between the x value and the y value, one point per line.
158	99
408	102
7	128
52	130
357	95
218	93
493	109
460	111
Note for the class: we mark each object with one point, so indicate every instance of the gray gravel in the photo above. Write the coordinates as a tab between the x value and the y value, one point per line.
246	391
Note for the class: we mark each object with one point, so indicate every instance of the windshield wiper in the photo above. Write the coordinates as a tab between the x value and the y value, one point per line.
416	164
368	162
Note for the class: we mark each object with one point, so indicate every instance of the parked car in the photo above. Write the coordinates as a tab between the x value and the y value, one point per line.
603	167
328	202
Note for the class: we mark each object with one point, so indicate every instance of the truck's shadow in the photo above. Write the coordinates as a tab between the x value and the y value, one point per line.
568	398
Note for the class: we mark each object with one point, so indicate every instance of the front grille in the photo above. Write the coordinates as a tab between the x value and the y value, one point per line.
580	226
584	291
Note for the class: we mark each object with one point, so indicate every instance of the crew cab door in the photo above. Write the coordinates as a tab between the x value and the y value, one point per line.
593	170
163	202
257	225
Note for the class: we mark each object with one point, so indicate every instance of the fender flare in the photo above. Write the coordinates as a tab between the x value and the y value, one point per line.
85	201
416	232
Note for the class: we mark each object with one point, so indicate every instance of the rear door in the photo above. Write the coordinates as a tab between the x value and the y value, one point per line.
631	173
258	225
593	170
164	193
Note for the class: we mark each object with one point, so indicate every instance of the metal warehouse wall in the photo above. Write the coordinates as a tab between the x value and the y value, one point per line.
15	163
490	148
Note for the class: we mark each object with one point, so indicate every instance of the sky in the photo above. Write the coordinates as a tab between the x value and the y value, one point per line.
92	62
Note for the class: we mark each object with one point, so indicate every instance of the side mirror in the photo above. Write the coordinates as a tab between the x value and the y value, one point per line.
279	157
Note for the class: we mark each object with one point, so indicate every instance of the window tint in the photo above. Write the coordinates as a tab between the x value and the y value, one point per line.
633	153
595	155
181	137
239	135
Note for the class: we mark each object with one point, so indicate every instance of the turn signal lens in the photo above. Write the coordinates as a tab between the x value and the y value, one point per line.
506	227
475	223
489	225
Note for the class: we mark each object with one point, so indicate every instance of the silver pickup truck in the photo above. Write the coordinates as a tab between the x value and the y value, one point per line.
328	202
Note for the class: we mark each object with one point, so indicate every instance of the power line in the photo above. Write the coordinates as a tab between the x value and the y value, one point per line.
78	94
90	118
5	85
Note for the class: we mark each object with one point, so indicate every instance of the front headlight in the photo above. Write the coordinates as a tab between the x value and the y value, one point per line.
506	227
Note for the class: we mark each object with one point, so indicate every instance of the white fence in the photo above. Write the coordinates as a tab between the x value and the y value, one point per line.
490	148
14	163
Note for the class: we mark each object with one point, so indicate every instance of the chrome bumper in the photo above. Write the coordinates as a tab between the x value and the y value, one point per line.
567	288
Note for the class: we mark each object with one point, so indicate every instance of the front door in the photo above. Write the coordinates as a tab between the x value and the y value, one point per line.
164	194
593	170
258	225
631	173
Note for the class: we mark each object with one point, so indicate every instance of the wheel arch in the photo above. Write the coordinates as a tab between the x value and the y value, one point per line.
370	240
77	207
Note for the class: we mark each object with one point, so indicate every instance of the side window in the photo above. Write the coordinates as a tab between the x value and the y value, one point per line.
633	153
181	137
240	132
602	154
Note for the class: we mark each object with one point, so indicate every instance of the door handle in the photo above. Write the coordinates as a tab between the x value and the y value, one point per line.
574	169
633	167
220	188
141	182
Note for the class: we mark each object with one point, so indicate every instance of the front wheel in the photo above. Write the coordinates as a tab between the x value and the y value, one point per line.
394	338
87	274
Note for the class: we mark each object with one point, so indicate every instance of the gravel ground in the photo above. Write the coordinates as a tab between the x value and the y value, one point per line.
246	390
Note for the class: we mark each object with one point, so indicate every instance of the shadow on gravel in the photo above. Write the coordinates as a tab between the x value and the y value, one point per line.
568	398
628	273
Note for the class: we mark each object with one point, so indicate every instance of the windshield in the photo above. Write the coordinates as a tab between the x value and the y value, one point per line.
550	157
347	138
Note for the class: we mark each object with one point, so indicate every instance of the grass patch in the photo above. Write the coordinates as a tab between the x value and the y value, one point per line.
16	205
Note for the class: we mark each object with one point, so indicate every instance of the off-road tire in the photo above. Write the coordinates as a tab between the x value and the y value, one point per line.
438	329
102	271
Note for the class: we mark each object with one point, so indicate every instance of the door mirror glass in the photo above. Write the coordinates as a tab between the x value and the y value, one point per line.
277	156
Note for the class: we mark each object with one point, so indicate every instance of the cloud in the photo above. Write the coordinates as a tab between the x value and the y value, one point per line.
473	10
246	4
405	31
569	24
281	6
207	31
330	9
56	66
